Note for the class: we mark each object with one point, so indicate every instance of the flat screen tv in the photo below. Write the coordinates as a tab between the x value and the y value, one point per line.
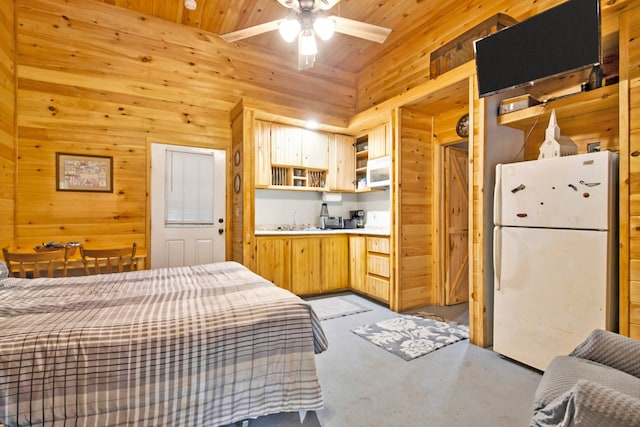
558	40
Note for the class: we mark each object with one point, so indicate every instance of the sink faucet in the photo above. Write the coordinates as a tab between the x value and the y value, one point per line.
294	221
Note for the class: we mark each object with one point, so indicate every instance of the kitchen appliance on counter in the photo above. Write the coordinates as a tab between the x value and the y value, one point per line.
349	224
329	222
324	214
555	246
357	217
333	222
378	221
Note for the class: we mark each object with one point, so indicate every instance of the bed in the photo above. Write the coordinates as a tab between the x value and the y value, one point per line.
204	345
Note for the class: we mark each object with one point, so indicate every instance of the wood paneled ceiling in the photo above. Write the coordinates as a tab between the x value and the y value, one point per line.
405	18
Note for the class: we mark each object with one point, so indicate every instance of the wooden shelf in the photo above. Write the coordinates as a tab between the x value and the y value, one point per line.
285	177
581	103
293	187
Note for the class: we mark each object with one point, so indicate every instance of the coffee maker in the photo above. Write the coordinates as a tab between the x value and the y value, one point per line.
358	217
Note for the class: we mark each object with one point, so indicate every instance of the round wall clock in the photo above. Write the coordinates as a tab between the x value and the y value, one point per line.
462	128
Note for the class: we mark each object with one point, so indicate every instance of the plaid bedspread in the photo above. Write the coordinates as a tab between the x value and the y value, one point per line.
191	346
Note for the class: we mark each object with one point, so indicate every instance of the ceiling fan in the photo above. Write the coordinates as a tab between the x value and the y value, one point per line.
305	21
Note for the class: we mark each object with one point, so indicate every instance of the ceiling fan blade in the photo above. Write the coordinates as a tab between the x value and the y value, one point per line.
250	31
291	4
363	30
324	4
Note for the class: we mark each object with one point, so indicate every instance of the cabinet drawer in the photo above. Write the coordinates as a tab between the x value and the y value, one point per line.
378	288
378	244
378	265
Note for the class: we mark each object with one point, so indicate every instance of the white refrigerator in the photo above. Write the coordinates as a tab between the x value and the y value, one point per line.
555	254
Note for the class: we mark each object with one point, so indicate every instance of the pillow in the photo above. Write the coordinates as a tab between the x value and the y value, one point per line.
4	271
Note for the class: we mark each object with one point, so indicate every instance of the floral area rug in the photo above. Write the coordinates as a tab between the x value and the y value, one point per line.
409	336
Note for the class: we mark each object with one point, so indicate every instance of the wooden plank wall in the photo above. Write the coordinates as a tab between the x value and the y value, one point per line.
414	211
243	202
7	125
479	329
407	65
630	173
96	79
237	202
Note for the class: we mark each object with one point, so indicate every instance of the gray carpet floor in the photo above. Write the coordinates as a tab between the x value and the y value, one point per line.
458	385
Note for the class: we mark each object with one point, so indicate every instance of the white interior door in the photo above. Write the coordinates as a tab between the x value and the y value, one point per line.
187	205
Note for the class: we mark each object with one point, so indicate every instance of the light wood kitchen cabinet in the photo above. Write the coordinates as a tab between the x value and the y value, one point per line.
378	244
302	159
341	163
274	260
357	262
315	150
262	151
292	146
334	252
299	158
319	264
378	268
378	264
286	145
305	265
379	144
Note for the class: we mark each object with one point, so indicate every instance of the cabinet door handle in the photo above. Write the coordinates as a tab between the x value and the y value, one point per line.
635	154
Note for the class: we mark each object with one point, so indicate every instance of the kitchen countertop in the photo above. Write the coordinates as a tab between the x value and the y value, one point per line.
371	231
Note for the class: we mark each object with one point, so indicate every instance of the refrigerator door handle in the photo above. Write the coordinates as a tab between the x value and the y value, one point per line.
496	257
497	193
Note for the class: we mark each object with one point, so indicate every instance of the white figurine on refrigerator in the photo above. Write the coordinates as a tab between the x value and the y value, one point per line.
554	144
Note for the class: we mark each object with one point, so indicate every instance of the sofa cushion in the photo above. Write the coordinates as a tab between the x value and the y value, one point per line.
588	404
564	372
611	349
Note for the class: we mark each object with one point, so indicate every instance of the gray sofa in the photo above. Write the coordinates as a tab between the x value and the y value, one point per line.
598	384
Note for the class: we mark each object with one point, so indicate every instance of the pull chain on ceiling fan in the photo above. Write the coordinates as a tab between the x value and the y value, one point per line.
305	22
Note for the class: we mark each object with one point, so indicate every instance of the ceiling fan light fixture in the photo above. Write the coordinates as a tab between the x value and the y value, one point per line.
307	44
305	20
190	4
289	29
324	28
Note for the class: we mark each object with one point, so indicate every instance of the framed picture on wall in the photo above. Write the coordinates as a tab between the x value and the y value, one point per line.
79	172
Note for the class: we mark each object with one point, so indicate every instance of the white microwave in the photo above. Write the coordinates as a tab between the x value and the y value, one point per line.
379	172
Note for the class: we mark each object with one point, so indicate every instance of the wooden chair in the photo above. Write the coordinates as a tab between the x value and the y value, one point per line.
113	260
32	265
